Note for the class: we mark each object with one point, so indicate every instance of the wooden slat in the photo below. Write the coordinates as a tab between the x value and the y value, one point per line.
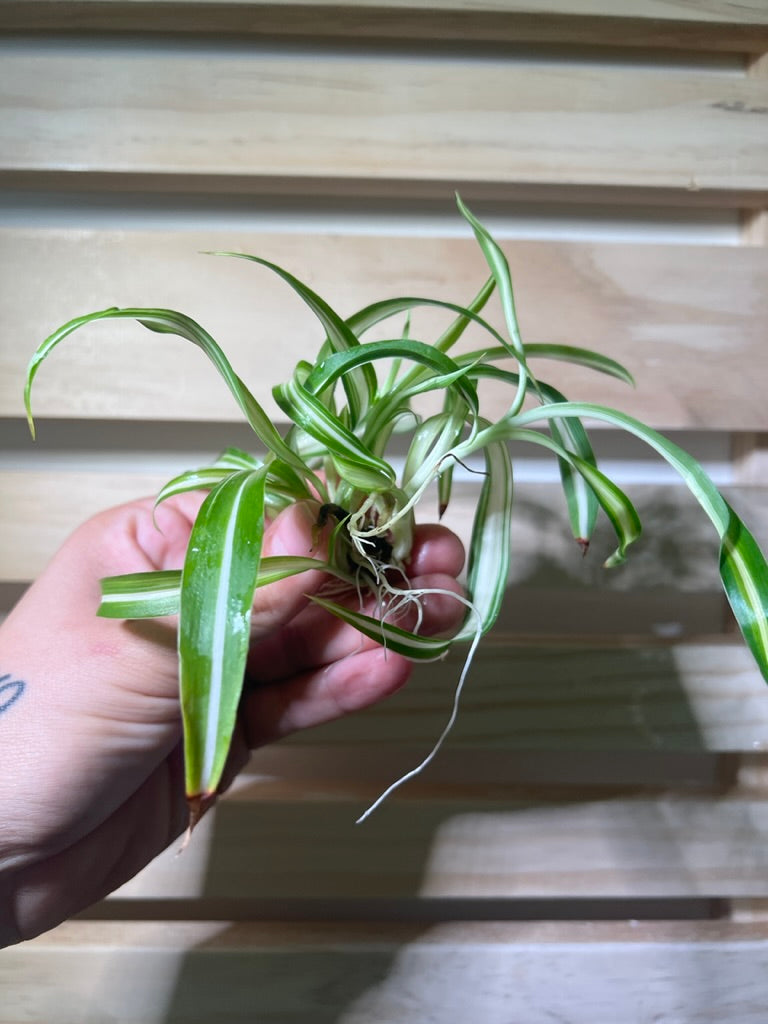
570	771
569	696
716	25
46	507
689	321
587	973
636	689
668	588
538	845
222	113
325	767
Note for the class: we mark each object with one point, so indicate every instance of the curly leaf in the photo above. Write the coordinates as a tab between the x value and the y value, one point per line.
743	568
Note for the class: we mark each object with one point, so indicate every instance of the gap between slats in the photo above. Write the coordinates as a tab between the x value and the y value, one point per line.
721	27
417	911
558	219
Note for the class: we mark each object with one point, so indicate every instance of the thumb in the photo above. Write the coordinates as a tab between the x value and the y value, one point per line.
290	533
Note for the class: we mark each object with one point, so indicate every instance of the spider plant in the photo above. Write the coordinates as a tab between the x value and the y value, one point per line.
345	409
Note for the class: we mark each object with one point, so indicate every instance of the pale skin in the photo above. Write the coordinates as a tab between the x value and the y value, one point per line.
91	778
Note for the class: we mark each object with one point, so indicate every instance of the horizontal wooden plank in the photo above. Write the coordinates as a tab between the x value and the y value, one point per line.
222	112
669	588
542	843
159	973
39	522
689	321
716	25
317	766
683	697
632	682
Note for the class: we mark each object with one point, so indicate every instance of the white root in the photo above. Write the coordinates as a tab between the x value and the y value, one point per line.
392	602
416	595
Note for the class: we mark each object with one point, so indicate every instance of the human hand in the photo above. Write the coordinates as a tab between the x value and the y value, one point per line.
91	768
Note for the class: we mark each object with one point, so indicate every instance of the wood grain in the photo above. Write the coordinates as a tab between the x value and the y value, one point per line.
528	971
224	113
689	321
537	845
561	696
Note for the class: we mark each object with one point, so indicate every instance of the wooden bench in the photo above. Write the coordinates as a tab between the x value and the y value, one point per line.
591	843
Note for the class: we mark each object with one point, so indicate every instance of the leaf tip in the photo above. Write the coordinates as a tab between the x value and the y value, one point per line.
28	405
197	805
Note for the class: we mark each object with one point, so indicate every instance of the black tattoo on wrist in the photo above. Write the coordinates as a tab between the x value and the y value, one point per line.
10	691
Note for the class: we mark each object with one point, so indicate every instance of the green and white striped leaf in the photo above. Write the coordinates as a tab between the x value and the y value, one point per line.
489	550
443	371
432	444
236	458
439	434
499	268
375	313
618	508
217	587
168	321
360	386
354	461
141	595
581	357
579	499
401	641
471	314
444	488
193	480
149	595
744	574
743	567
616	505
571	437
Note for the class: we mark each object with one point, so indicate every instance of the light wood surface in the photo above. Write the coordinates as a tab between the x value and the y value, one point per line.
689	322
669	584
527	971
473	838
224	113
441	842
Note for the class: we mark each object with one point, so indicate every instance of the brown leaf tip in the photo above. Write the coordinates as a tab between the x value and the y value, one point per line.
198	804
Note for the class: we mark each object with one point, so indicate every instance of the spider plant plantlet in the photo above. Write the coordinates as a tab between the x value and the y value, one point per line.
344	410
